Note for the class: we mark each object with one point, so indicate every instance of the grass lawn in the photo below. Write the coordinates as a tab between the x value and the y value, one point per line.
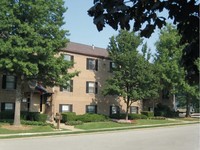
9	129
109	124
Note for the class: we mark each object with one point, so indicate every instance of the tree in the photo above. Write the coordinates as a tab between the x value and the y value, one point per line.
133	77
172	74
146	16
30	37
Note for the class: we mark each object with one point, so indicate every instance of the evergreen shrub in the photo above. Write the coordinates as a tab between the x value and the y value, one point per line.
147	113
91	117
68	116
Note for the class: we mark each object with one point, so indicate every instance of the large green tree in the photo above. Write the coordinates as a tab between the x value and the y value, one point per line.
133	76
30	37
172	74
146	16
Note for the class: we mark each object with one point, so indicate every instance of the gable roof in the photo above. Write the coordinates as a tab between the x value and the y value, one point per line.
87	50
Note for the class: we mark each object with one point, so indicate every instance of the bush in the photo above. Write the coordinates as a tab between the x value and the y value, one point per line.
24	115
136	116
68	116
7	115
165	111
72	123
41	118
91	118
118	116
130	116
33	116
148	113
36	123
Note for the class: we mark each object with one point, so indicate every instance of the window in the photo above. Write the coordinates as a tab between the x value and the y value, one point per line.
134	110
114	110
92	64
65	108
91	87
69	87
7	107
9	82
112	66
68	57
91	109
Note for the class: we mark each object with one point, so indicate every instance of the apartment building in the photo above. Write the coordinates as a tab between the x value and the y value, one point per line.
84	95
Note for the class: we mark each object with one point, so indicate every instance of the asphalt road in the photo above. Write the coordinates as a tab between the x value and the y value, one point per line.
185	137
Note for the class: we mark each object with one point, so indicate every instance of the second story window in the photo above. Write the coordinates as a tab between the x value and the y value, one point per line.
9	82
91	87
68	57
92	64
112	66
69	87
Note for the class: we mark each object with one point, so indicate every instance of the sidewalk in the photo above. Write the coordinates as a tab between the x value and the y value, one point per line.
65	129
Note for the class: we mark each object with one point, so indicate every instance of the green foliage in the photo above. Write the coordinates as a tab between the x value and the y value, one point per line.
130	116
172	74
147	113
33	116
6	115
36	123
91	118
68	116
146	18
134	78
30	39
137	116
73	123
164	111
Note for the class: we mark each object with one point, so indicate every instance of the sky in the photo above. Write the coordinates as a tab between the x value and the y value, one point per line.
82	30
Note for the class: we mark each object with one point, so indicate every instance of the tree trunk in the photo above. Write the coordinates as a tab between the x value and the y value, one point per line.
174	102
18	99
127	107
187	107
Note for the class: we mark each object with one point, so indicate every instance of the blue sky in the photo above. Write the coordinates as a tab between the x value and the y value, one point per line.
81	27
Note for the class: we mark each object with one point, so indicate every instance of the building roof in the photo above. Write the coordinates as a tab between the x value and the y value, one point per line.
87	50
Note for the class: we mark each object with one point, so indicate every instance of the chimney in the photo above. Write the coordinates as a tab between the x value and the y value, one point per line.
92	46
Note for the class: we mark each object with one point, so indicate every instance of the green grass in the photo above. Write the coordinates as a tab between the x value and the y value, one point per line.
109	124
31	129
152	122
101	125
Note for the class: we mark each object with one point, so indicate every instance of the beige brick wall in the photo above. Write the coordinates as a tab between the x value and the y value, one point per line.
79	98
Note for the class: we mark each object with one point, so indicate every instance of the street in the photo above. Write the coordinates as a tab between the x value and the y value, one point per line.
185	137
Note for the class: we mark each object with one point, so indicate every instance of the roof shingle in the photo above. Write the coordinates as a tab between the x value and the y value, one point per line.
83	49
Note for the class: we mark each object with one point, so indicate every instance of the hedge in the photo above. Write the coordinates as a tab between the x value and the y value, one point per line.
148	113
68	116
130	116
91	118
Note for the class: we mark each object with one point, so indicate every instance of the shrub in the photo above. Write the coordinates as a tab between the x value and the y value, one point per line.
7	115
136	116
91	118
33	116
24	115
68	116
118	116
72	123
41	118
147	113
165	111
36	123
